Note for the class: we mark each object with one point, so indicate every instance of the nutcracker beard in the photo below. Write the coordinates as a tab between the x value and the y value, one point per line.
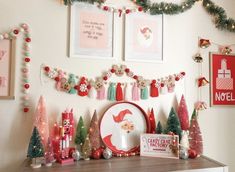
124	137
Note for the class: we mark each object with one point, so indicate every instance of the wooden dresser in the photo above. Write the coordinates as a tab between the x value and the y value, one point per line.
134	164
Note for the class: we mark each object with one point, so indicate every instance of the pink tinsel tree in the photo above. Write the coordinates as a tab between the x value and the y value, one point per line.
41	121
152	122
49	154
195	136
183	114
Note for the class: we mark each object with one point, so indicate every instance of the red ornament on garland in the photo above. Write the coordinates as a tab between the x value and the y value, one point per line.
46	68
26	109
112	70
26	86
135	77
28	39
127	70
82	87
105	78
57	79
162	84
183	73
105	8
140	9
27	59
177	78
128	11
16	31
96	154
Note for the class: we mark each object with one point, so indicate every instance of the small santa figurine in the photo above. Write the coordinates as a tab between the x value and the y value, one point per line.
124	138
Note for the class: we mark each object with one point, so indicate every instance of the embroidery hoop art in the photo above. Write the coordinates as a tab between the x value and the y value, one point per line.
107	127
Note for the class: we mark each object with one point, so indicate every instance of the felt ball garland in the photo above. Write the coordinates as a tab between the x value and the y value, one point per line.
13	34
115	91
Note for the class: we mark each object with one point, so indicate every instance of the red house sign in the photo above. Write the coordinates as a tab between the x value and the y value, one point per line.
222	76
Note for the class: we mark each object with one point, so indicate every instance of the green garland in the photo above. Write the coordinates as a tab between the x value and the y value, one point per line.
165	8
221	20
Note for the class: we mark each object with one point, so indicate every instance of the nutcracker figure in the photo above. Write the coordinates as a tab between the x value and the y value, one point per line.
66	134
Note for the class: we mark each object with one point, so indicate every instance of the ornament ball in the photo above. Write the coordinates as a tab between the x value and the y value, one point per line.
107	154
192	153
76	155
96	154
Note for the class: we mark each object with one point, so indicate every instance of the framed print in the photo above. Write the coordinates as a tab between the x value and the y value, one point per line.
121	127
159	145
91	32
144	37
7	69
222	74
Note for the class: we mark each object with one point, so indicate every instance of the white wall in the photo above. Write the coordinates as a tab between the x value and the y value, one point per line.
49	24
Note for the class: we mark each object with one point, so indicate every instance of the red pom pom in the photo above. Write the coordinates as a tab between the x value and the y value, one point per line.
162	84
192	153
154	81
16	31
128	11
46	68
27	59
88	87
105	8
26	109
127	70
135	77
27	39
112	70
83	78
96	154
183	73
105	78
26	86
177	78
57	79
140	9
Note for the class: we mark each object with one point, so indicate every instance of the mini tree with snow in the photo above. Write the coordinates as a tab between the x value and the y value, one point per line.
173	124
159	129
94	132
183	114
195	136
35	148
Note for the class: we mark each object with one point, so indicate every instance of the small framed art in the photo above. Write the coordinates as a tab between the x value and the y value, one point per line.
91	32
7	68
222	74
143	37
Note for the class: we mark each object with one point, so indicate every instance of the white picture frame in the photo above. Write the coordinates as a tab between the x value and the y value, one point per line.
143	38
91	32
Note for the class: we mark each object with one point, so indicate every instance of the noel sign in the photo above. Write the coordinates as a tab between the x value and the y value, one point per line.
159	145
222	79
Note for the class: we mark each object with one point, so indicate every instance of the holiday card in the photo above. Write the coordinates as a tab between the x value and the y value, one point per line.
159	145
222	79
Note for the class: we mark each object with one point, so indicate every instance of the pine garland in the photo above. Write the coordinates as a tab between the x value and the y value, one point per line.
221	20
165	8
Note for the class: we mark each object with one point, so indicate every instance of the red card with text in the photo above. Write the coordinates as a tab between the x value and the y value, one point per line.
222	79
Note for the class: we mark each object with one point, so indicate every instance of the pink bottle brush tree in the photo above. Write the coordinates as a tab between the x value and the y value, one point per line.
183	114
195	135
